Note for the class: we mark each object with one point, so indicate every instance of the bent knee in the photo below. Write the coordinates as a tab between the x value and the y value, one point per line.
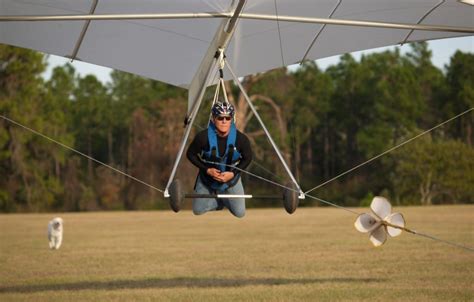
197	211
238	214
199	208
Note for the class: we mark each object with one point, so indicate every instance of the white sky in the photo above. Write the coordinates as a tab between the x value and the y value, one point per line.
442	50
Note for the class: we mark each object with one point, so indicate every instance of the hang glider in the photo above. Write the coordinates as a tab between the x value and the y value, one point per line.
176	41
183	43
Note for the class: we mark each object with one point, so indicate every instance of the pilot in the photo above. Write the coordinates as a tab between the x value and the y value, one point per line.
217	151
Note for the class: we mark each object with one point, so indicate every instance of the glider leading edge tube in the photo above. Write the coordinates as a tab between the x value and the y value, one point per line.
343	22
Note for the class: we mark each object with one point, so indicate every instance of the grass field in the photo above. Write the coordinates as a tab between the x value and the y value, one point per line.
313	255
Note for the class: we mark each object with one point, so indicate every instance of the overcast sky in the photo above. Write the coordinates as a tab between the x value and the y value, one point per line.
442	51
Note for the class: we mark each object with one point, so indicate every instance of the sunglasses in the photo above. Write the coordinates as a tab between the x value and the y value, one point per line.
221	118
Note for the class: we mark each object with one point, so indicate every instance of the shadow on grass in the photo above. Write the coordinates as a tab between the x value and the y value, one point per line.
173	283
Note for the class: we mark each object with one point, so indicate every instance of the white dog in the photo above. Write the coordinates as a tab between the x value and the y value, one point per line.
55	233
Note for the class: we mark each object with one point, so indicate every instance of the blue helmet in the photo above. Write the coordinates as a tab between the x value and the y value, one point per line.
223	109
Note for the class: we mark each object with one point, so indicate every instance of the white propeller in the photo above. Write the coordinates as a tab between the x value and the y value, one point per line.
380	222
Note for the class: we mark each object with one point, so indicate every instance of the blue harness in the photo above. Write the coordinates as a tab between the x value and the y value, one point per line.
230	158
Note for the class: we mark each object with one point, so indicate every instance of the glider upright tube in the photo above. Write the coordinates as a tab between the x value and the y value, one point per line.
301	194
189	125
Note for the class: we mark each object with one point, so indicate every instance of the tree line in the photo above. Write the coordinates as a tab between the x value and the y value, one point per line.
325	122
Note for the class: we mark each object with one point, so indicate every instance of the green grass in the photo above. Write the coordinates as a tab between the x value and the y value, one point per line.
312	255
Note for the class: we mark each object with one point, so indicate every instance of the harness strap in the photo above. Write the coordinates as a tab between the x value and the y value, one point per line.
225	162
230	157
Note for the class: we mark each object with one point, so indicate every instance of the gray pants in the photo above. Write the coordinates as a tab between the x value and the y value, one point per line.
235	205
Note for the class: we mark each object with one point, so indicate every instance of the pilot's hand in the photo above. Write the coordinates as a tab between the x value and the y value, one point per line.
214	173
226	176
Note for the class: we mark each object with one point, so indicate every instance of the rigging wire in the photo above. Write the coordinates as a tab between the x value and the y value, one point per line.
440	240
389	150
253	161
386	223
470	249
80	153
243	171
266	170
279	33
282	186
